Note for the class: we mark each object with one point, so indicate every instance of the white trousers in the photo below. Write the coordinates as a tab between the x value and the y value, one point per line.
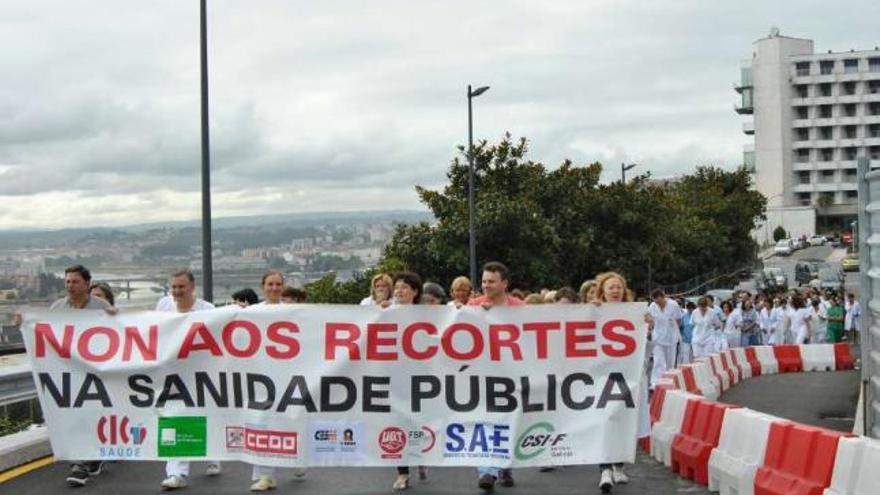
181	468
685	353
664	360
258	471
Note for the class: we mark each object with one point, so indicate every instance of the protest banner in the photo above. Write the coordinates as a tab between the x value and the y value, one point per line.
328	385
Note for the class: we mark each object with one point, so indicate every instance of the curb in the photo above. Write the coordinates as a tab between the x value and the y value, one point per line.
24	447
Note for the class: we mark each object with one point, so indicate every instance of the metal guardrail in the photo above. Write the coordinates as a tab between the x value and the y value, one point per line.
17	387
869	299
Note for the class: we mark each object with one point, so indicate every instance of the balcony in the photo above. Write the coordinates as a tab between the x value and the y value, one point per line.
802	144
802	166
800	123
743	109
749	128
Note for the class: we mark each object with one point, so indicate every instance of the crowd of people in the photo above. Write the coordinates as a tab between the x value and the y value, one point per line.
679	331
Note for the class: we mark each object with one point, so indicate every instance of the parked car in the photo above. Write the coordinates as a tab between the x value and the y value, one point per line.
833	240
778	277
829	279
850	263
817	240
805	271
784	247
801	242
764	282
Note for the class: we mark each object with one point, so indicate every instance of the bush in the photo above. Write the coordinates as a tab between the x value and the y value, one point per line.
779	234
9	426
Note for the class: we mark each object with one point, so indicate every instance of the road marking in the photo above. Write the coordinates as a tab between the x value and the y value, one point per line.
26	468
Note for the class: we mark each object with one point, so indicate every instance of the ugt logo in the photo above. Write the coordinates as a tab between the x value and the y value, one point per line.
536	439
116	430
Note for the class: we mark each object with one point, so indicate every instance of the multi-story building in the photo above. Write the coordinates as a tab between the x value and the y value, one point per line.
814	116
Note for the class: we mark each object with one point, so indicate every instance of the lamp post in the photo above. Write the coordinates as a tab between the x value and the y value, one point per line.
472	231
207	270
623	168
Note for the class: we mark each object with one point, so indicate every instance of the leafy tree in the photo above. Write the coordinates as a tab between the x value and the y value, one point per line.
779	233
560	227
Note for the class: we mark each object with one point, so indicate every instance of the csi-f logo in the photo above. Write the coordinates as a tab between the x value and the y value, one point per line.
536	439
116	430
480	440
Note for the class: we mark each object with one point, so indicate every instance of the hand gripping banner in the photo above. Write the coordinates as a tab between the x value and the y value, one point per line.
331	385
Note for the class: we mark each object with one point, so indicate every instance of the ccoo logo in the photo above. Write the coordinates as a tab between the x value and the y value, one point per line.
116	430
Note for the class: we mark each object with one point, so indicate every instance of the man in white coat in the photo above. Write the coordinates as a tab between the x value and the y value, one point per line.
183	300
664	318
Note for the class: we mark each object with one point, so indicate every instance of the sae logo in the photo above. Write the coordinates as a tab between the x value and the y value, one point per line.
477	441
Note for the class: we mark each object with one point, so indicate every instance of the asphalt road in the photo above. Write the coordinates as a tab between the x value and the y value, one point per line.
787	263
824	399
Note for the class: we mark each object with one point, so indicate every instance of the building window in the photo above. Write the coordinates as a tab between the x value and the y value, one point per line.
874	108
873	64
826	133
801	90
801	134
848	88
803	177
850	66
829	198
826	155
873	87
852	194
803	68
802	112
874	130
825	89
803	155
850	173
874	152
824	111
848	132
850	110
804	198
850	153
826	67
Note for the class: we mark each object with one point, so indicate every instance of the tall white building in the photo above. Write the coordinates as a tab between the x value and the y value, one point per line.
814	115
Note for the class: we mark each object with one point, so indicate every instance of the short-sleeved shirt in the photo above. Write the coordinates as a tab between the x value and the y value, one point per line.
835	312
167	305
665	330
91	303
480	300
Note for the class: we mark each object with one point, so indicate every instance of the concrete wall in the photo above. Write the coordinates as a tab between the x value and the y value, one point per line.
796	220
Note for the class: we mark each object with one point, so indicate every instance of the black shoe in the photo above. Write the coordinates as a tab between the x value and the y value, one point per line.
486	482
78	476
506	477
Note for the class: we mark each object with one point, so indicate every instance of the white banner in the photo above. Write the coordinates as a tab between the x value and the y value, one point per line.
329	385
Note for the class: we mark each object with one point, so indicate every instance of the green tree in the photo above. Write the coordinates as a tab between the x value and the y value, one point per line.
559	227
779	234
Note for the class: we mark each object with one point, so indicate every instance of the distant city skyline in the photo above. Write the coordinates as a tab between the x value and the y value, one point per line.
340	106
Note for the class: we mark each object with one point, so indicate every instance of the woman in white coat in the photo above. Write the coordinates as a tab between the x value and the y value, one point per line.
706	323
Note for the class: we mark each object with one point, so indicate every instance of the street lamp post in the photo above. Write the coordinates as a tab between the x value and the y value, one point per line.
472	231
623	168
207	270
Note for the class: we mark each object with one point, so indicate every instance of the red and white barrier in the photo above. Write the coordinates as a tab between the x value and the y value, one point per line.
856	467
769	365
705	382
671	418
818	357
740	452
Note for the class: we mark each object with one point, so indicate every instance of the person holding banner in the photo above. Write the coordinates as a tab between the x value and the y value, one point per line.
495	284
460	290
76	284
664	316
407	290
611	288
183	300
380	291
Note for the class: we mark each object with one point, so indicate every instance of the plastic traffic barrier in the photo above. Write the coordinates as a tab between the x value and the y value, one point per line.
676	376
705	382
719	376
799	460
843	358
664	431
727	377
740	451
738	358
752	359
727	363
765	354
657	399
690	379
789	358
699	434
818	357
856	468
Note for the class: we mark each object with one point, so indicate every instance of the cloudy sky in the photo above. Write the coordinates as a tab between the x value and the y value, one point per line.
346	105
